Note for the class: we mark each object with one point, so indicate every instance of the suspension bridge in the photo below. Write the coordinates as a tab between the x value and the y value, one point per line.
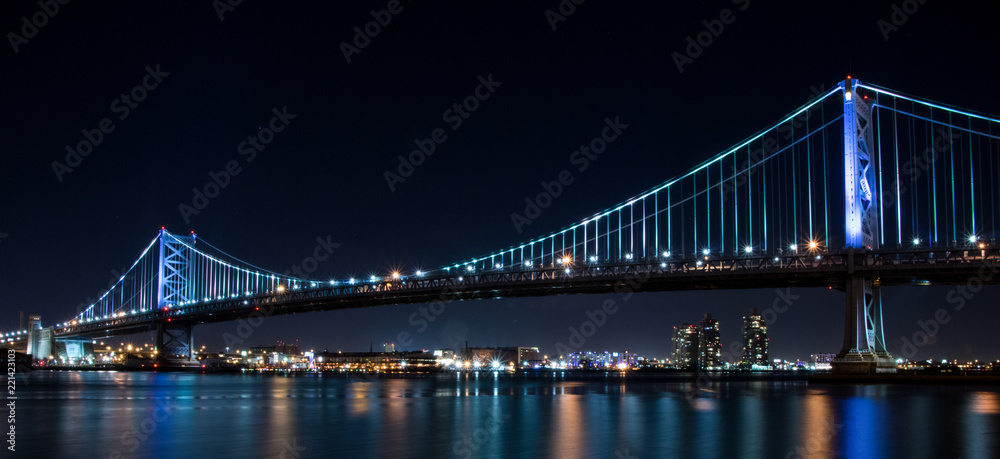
860	188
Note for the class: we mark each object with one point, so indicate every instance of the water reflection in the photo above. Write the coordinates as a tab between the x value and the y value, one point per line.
979	424
818	426
494	415
984	403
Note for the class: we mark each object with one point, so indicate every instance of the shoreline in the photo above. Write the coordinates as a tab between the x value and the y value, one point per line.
643	375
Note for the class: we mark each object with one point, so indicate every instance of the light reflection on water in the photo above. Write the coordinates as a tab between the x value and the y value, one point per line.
101	414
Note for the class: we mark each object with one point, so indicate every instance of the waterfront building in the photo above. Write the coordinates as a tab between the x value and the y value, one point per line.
709	344
755	342
685	342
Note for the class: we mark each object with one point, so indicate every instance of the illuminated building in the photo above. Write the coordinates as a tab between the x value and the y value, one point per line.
685	343
823	361
601	360
709	343
754	342
527	357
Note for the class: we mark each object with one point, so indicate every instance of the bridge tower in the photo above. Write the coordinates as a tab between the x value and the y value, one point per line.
864	342
174	343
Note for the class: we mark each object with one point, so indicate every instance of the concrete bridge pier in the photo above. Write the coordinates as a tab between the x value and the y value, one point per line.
175	347
864	349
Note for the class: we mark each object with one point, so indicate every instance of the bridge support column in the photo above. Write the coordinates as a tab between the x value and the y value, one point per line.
864	343
864	346
175	346
174	343
75	351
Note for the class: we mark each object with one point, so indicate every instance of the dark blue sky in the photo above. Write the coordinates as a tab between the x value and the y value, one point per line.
323	175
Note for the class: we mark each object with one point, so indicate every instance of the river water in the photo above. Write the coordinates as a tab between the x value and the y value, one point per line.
120	414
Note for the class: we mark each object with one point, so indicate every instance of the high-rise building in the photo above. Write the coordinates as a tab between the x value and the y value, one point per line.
685	342
709	343
39	339
754	342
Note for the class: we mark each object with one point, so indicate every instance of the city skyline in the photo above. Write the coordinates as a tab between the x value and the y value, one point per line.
283	205
564	228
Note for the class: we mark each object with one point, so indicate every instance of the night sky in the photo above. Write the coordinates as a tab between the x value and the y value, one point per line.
220	74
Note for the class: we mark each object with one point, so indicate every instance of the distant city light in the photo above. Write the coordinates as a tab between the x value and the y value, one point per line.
916	241
748	249
704	252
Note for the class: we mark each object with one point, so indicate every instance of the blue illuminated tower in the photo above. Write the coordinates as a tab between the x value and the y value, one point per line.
174	342
864	343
